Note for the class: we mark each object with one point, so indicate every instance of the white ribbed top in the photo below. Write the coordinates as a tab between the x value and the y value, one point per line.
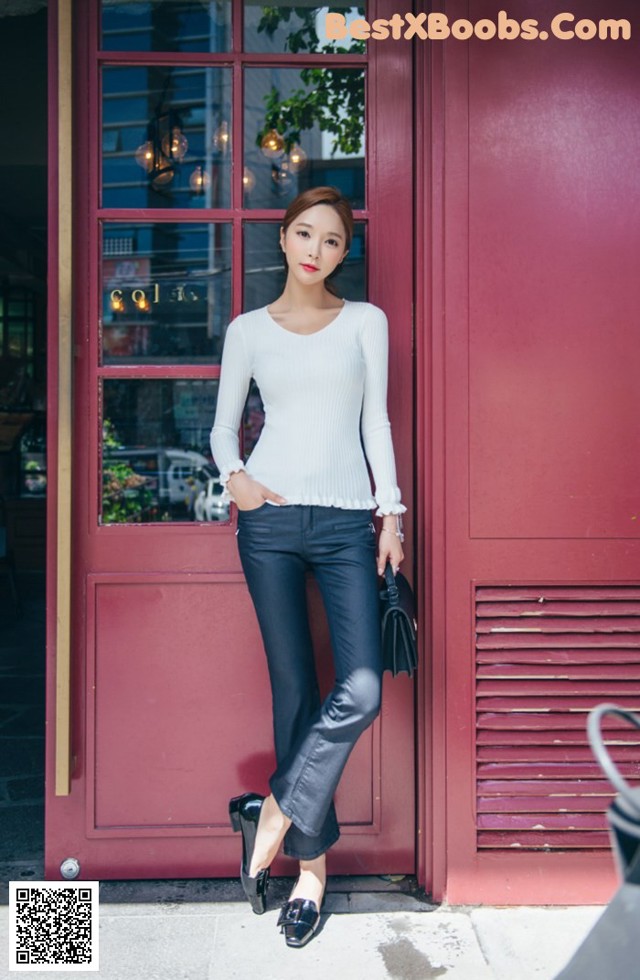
320	392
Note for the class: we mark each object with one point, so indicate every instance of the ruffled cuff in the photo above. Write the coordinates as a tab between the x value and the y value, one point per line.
234	467
384	509
388	501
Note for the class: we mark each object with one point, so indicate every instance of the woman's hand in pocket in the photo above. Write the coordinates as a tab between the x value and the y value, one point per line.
249	494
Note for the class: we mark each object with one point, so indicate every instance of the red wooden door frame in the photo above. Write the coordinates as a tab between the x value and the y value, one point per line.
429	532
97	551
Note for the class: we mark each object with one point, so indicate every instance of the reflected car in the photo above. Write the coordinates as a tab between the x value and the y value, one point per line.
209	505
174	476
186	474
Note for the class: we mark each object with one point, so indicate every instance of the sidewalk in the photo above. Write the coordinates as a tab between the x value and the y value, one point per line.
204	930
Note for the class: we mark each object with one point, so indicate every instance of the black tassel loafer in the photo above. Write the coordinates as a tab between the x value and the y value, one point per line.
244	812
298	920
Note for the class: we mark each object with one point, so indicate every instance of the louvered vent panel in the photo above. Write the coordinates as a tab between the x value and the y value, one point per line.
546	655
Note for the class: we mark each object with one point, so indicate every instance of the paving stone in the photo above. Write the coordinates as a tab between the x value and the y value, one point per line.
387	902
532	943
370	883
176	940
214	892
337	903
143	947
396	945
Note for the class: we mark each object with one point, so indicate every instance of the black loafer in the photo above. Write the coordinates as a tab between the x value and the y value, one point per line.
244	812
298	920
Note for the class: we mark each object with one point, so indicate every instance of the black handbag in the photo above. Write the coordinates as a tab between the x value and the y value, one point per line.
398	614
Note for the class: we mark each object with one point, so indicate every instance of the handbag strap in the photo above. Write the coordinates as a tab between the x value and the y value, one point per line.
600	751
390	581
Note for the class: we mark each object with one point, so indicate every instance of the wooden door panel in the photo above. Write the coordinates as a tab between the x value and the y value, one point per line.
171	698
165	663
553	316
176	699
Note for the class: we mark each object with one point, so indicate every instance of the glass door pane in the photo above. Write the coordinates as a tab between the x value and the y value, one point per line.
304	127
166	137
166	292
295	27
156	462
166	25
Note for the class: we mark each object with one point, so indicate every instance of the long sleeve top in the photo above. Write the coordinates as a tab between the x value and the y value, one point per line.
325	402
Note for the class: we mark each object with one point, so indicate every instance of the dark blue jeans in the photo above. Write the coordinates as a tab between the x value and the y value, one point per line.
277	546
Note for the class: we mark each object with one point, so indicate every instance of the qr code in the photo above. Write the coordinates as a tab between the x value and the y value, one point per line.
53	925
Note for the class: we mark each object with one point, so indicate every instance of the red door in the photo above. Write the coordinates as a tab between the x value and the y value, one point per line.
535	453
190	138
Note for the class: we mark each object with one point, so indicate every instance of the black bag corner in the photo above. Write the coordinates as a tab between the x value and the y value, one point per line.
398	622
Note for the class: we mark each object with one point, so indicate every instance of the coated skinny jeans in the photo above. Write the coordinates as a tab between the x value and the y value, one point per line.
313	740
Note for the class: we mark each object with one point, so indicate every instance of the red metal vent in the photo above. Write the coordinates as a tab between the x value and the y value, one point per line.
545	655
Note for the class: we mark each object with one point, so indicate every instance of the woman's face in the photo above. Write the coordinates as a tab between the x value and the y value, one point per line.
314	243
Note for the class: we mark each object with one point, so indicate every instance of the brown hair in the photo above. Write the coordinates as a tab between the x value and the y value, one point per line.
322	195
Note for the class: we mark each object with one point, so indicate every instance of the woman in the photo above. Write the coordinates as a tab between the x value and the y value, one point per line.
304	502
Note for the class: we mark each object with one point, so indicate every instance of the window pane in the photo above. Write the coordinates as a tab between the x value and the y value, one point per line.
166	292
166	25
264	274
166	137
295	27
33	458
17	340
283	157
156	462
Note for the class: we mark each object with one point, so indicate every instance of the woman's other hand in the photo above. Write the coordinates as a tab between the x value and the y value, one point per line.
249	494
389	545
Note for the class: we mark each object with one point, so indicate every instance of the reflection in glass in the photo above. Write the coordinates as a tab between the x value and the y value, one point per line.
303	127
156	462
264	270
166	137
17	333
295	27
166	292
252	419
166	25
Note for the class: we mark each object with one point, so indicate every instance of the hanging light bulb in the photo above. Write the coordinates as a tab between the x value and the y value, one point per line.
163	173
297	159
248	179
144	156
175	145
117	303
272	144
199	180
142	303
221	138
282	175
